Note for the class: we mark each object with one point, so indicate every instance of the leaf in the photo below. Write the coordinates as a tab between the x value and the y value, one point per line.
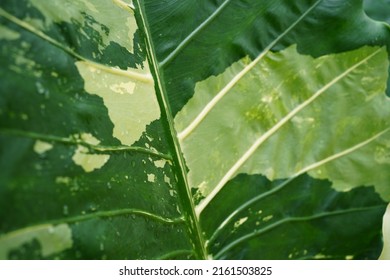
293	91
87	167
290	161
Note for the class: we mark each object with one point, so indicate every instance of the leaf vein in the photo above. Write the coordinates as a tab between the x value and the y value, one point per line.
193	34
90	216
74	141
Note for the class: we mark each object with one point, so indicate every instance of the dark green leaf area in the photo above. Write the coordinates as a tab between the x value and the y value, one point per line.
30	250
116	211
301	218
50	186
127	237
42	92
378	9
221	32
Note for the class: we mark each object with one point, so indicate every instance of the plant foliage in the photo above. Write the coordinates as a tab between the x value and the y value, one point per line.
193	129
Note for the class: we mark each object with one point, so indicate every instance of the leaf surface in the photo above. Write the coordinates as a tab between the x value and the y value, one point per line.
193	129
87	170
282	116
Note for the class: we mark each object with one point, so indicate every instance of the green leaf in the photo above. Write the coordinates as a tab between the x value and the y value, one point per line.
291	90
87	167
193	129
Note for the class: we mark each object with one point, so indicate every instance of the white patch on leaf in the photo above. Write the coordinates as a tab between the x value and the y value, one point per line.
266	219
41	147
240	222
89	138
82	157
160	163
151	178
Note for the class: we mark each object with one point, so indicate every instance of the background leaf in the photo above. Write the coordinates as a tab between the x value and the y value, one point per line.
87	171
378	9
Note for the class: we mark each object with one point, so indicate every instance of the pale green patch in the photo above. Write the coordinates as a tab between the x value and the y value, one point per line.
8	34
151	178
41	147
121	23
89	162
385	255
240	222
88	138
24	117
160	163
291	114
52	239
321	257
131	105
82	157
27	65
62	180
268	218
167	180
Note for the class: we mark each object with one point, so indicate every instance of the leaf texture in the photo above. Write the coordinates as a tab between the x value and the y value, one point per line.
219	129
281	111
87	170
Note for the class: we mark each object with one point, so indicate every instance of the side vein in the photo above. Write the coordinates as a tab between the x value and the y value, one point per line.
76	141
192	35
95	215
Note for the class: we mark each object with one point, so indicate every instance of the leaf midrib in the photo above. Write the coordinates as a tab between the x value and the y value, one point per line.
194	228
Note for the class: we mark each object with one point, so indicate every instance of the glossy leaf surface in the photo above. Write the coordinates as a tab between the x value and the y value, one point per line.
274	115
87	171
279	89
